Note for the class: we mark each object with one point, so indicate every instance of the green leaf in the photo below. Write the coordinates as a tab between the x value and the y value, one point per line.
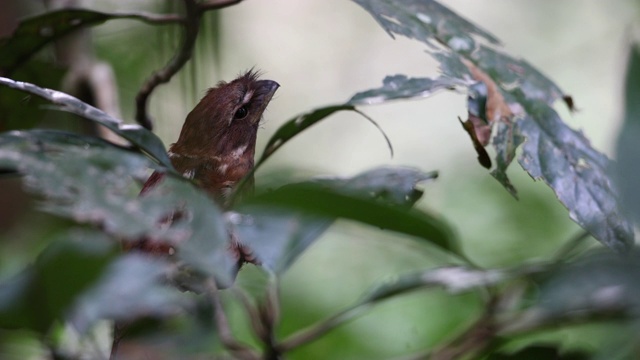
536	352
322	201
302	122
137	135
291	230
578	174
277	236
132	287
393	185
401	87
33	33
90	181
553	152
628	152
426	21
22	111
46	291
602	283
297	125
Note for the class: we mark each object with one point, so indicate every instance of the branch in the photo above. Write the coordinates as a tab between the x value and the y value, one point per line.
216	4
150	18
225	334
191	29
191	23
315	331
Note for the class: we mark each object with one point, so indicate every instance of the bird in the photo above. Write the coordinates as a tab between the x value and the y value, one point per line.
216	150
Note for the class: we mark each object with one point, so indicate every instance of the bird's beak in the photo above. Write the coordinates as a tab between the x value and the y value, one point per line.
265	91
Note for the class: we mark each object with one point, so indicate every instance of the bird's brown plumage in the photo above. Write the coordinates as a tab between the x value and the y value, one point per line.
216	146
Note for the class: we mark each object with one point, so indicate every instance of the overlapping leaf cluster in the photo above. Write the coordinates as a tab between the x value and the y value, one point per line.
82	277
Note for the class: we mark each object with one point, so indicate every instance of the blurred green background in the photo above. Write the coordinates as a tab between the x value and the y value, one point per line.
322	52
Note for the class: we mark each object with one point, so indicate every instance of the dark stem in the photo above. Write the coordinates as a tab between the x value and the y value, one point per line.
236	348
191	29
191	24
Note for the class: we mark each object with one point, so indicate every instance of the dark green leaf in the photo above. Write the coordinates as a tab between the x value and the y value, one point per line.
92	182
538	352
506	140
426	20
291	231
508	71
46	291
34	33
277	236
322	201
137	135
23	111
628	151
297	125
392	185
602	283
578	174
132	287
301	122
563	158
402	87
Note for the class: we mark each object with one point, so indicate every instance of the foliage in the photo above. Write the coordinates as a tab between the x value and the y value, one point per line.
81	277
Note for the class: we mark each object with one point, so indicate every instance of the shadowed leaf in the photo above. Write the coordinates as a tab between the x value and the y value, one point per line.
563	158
302	122
35	32
322	201
137	135
578	174
628	151
90	181
402	87
45	292
134	286
291	231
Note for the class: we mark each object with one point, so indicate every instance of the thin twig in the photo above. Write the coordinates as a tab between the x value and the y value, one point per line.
252	312
570	246
216	4
315	331
151	18
473	341
191	24
191	29
225	334
270	315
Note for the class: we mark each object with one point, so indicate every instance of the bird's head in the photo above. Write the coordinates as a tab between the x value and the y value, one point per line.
227	117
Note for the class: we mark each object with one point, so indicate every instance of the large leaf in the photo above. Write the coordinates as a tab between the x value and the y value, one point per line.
577	173
599	284
93	182
402	87
425	20
278	235
628	151
137	135
134	286
35	32
46	291
553	152
314	198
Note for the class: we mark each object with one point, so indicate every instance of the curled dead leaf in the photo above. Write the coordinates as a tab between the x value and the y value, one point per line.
469	127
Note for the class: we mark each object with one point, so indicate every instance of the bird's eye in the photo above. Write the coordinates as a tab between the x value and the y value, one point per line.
241	113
